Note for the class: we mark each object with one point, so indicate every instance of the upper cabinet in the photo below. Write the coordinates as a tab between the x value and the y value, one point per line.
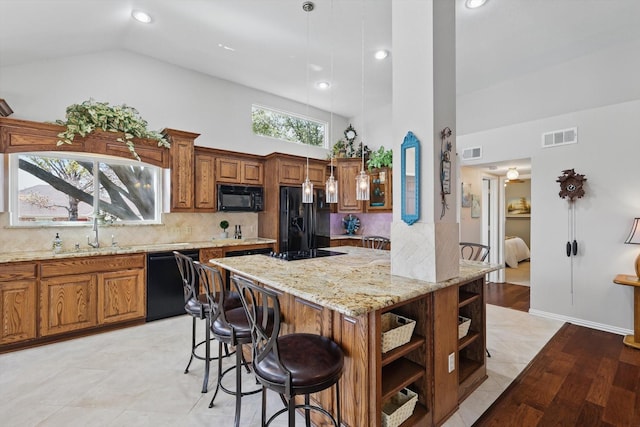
182	171
347	170
235	170
380	194
205	182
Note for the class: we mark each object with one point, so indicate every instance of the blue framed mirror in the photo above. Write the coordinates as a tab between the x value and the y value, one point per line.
410	178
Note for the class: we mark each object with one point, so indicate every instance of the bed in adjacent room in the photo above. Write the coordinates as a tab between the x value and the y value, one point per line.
515	250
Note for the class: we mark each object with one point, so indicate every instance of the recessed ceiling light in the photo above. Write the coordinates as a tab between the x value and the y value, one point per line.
324	85
141	16
381	54
472	4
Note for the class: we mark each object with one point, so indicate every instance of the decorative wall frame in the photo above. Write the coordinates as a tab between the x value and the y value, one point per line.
410	178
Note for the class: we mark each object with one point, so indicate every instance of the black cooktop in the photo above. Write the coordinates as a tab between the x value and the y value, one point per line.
298	255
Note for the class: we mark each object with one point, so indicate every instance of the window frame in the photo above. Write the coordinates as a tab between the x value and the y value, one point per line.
324	124
14	189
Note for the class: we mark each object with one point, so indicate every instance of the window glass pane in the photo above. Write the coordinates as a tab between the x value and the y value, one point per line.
288	126
56	188
127	192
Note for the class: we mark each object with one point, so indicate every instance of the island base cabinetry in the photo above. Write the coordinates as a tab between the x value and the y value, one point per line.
17	302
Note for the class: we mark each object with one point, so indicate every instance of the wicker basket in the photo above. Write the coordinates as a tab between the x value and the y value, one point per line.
400	407
396	330
463	326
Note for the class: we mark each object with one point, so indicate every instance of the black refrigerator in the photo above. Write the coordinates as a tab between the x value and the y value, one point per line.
303	226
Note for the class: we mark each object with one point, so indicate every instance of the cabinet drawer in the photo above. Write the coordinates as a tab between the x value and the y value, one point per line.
92	264
17	271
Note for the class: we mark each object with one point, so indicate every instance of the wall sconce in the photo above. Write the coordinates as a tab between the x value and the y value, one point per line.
634	239
512	173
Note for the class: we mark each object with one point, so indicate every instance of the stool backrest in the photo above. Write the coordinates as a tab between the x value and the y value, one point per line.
258	302
188	274
375	242
474	251
211	280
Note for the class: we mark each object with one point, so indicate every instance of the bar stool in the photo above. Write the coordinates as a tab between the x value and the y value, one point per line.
229	325
196	305
291	365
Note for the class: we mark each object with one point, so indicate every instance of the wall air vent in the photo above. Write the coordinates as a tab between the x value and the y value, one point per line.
560	137
472	153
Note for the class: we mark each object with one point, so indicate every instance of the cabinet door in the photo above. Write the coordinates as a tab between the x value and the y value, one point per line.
251	173
181	175
18	311
347	171
205	189
121	296
317	174
68	303
291	172
228	170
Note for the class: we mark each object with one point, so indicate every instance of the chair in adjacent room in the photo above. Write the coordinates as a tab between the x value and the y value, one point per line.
475	252
230	326
292	365
375	242
196	305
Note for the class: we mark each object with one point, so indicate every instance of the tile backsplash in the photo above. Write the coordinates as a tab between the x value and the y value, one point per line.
378	224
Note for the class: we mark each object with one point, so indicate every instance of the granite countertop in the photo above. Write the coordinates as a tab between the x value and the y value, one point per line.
116	250
353	284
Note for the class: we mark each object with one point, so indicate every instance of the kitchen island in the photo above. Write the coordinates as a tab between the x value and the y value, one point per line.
344	297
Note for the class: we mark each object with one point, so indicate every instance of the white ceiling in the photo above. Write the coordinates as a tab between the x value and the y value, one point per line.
273	43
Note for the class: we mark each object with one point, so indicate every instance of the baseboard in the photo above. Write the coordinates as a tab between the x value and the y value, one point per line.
582	322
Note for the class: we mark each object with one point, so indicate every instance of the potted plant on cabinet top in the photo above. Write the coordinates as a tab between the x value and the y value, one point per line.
84	118
380	158
224	224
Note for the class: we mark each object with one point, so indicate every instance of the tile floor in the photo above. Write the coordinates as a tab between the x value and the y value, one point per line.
134	377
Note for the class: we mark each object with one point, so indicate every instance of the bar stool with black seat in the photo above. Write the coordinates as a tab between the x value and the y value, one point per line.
230	326
196	305
291	365
375	242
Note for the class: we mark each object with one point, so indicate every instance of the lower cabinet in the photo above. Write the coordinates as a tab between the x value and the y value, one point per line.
17	302
82	293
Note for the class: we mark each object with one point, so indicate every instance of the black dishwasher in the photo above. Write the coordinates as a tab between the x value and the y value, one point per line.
165	294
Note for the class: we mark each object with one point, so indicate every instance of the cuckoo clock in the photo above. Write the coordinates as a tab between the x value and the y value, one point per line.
571	184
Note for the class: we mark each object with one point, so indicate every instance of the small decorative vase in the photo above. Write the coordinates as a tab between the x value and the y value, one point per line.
224	235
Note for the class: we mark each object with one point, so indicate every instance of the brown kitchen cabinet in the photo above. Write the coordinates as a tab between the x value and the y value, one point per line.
204	181
182	170
233	170
18	286
380	193
346	171
82	293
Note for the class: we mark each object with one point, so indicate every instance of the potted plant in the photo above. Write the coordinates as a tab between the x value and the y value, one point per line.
84	118
224	224
380	158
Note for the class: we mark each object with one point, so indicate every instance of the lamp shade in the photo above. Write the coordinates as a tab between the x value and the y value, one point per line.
634	236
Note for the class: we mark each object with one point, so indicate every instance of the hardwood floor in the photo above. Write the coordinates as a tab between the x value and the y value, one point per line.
582	377
507	295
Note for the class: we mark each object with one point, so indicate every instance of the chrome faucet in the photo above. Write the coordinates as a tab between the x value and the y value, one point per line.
96	242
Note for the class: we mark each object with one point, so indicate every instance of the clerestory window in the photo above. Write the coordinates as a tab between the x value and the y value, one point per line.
289	126
49	188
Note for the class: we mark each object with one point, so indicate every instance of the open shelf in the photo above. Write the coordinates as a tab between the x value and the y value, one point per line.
466	368
466	298
468	339
399	374
415	342
418	418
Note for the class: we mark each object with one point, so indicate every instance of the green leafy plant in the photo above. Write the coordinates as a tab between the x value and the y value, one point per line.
380	158
84	118
224	224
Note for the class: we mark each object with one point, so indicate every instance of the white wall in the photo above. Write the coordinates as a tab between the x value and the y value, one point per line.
607	153
167	96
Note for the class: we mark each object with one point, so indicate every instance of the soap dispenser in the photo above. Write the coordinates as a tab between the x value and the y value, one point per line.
57	244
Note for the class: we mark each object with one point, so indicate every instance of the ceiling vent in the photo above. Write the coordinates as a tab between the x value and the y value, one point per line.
560	137
472	153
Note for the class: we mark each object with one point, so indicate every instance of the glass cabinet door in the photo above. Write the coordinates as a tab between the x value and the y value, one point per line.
380	195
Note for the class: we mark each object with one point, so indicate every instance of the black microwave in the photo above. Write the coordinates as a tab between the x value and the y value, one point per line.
240	198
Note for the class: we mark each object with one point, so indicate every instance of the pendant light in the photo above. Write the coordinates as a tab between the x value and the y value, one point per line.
331	185
307	186
362	179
